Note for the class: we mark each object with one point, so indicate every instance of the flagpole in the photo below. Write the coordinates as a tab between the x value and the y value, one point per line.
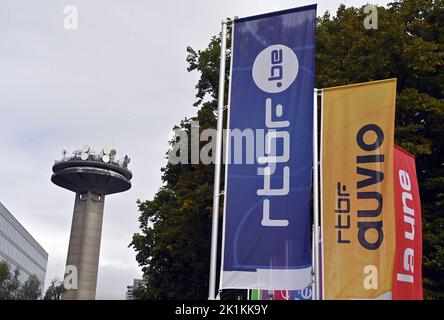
321	190
313	259
217	164
316	195
227	161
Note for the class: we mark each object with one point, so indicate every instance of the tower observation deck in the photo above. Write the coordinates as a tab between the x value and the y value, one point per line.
91	176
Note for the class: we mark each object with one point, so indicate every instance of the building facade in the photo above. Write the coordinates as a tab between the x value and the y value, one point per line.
130	289
20	249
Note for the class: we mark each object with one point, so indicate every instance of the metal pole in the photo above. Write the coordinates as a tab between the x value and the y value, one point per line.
217	164
316	193
313	292
321	220
227	160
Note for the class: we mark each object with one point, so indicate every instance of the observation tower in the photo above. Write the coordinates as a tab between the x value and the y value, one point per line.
91	176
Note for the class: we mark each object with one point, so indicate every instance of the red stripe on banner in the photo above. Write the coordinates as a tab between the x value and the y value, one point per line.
407	273
281	295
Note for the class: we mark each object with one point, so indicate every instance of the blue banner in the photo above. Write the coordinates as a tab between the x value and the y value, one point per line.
267	228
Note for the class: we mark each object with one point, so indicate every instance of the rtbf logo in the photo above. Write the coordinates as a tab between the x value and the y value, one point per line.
275	68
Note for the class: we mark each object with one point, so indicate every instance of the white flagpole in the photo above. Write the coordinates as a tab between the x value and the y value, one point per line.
321	227
313	259
227	161
217	164
316	195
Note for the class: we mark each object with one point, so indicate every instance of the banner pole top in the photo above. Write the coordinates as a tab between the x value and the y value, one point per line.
318	91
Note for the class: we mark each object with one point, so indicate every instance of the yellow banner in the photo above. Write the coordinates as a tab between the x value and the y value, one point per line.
358	223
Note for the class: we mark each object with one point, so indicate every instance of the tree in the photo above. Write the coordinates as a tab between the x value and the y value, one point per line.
31	289
173	244
55	290
12	289
9	283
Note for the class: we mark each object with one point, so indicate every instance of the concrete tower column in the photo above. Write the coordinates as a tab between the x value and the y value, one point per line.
84	245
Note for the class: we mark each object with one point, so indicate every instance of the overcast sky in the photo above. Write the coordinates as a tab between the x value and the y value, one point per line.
120	80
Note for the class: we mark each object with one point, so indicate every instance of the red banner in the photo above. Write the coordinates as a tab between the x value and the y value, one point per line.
407	273
281	295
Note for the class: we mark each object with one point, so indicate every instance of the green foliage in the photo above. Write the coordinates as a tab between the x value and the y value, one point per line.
207	63
173	243
173	248
31	289
12	289
9	283
55	290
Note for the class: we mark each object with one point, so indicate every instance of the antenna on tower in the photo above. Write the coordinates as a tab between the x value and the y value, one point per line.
106	154
85	152
126	160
